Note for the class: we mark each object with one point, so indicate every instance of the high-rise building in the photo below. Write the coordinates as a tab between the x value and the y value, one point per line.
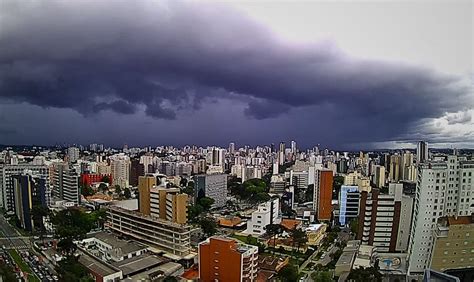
281	153
145	183
293	147
28	191
348	204
136	170
169	204
65	183
6	181
224	259
444	188
422	152
73	154
213	186
395	161
385	219
322	200
231	148
120	166
379	176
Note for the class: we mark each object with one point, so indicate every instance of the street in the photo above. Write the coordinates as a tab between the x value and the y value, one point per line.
10	238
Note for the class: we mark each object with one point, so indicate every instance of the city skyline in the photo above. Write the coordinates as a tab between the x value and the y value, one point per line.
251	73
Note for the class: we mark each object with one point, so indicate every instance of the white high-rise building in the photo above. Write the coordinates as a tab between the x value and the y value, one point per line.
65	183
73	154
120	166
266	213
444	188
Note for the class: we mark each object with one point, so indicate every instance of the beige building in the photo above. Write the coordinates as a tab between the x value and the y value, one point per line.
453	246
169	204
145	183
164	235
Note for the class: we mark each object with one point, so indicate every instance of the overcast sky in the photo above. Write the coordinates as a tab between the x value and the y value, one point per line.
347	74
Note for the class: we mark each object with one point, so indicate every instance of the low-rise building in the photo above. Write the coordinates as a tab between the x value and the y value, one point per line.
169	237
108	247
315	233
266	213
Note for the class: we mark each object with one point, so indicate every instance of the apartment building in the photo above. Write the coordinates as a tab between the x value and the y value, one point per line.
385	219
65	183
322	200
445	187
28	191
213	186
225	259
169	204
348	204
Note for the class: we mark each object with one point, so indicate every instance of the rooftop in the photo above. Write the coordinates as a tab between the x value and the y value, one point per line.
96	265
126	246
139	263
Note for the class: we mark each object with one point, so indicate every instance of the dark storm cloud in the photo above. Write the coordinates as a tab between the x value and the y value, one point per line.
168	57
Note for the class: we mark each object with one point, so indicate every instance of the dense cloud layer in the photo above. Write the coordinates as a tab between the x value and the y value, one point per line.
173	58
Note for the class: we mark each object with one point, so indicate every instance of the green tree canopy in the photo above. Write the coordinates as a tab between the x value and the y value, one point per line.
321	276
105	179
206	203
127	193
289	273
208	226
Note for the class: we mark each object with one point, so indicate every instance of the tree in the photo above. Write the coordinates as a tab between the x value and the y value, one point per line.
118	190
188	190
37	214
194	211
7	273
170	279
86	190
183	182
126	193
273	230
298	237
105	179
321	276
289	273
354	225
71	270
103	187
338	181
365	274
208	226
309	193
206	203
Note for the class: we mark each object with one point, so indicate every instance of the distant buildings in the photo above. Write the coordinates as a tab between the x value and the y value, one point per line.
73	154
120	166
29	191
213	186
224	259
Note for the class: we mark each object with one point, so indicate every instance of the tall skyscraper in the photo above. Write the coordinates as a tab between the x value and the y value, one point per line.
231	148
322	200
422	152
29	191
225	259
